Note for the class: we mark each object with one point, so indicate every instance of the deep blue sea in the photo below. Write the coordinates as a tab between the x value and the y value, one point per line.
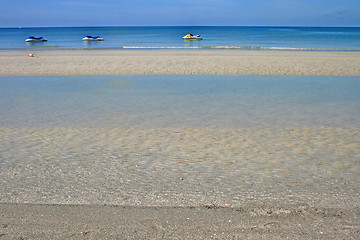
286	38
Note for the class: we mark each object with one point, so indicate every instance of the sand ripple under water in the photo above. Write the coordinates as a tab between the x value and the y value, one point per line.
180	166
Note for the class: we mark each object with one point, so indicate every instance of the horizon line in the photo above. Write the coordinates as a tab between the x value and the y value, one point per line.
325	26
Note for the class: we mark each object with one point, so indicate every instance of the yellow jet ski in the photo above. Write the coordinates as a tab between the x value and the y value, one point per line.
192	37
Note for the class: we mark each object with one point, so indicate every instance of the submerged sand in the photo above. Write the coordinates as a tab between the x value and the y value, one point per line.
180	167
167	61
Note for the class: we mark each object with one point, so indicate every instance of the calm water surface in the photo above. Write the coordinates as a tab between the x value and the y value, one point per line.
179	101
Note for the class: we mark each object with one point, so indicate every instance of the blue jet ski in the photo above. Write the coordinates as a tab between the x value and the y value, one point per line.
90	38
35	39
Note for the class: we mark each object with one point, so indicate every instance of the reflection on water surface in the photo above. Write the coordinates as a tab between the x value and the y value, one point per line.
180	101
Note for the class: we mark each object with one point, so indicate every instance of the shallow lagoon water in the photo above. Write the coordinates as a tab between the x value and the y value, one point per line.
234	140
180	101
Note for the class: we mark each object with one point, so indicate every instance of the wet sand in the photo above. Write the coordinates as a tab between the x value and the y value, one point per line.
29	221
166	61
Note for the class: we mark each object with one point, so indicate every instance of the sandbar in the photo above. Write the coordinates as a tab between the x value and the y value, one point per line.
184	62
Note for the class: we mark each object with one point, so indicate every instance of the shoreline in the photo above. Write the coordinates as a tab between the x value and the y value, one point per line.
27	221
178	62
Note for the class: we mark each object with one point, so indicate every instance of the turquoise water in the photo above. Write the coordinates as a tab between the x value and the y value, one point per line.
294	38
146	101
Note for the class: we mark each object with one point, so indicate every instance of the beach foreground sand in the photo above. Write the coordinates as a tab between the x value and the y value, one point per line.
179	183
166	61
27	221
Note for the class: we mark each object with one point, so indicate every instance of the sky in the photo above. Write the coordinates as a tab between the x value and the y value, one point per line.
38	13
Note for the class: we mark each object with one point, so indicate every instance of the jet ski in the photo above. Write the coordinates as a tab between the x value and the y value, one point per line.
192	37
35	39
90	38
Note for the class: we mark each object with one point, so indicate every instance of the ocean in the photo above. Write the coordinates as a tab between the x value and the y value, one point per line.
230	37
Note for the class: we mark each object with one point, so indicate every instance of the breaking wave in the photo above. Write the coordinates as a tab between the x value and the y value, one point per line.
243	47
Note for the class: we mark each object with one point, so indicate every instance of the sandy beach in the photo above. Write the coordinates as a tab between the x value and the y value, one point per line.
97	183
78	182
166	61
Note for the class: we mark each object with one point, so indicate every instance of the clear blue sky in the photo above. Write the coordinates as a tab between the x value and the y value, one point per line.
22	13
